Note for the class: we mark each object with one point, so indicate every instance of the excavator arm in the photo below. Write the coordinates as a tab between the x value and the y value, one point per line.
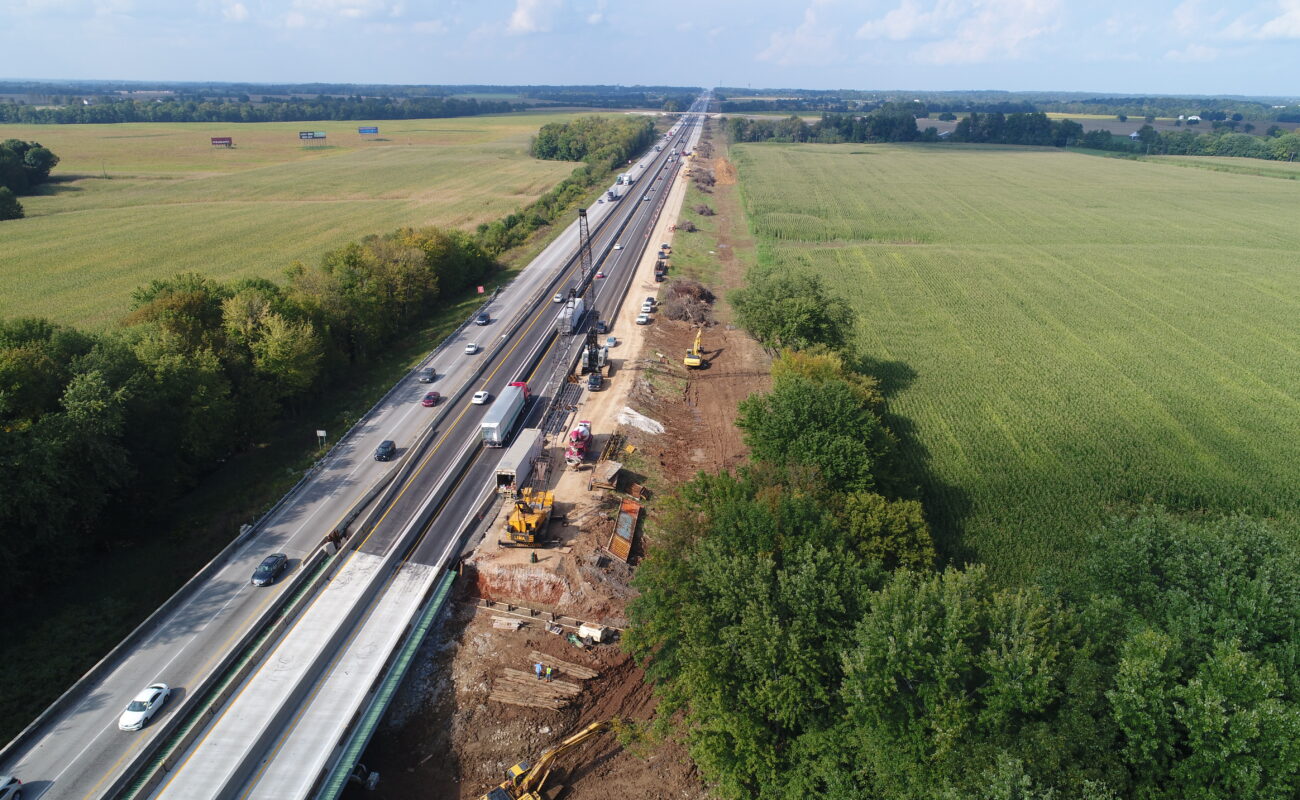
531	782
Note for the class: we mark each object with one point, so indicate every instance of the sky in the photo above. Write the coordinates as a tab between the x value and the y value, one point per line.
1248	47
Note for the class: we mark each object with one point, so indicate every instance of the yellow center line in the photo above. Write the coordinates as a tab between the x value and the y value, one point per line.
538	315
410	481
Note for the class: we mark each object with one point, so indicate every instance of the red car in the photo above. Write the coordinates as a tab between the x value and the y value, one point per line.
431	399
600	274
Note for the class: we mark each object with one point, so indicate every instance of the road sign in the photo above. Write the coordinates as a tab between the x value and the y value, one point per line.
222	141
311	134
368	131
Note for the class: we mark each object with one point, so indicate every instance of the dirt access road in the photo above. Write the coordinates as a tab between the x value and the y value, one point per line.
445	738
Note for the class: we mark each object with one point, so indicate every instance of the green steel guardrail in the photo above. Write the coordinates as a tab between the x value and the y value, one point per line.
365	727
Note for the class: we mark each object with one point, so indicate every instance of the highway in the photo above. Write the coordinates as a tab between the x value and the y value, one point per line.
284	719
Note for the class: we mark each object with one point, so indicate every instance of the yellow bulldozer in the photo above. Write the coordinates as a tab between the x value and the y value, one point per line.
695	356
527	523
526	781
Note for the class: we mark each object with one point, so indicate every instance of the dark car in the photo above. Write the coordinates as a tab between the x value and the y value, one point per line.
427	375
271	568
431	399
594	382
482	319
601	326
386	450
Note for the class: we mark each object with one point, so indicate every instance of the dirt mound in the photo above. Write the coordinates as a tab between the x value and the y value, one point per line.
724	171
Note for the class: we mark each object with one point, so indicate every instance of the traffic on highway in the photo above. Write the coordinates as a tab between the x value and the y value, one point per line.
245	683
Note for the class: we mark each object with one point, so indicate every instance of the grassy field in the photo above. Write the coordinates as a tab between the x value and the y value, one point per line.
139	201
1058	334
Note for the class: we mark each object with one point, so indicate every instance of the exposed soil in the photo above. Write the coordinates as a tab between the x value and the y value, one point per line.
444	737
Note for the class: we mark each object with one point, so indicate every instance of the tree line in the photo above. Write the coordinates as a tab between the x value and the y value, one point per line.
102	428
924	103
23	166
292	110
602	141
898	124
807	640
889	123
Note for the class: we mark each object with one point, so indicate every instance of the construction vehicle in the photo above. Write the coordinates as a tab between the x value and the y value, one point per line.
526	781
594	356
527	524
579	438
695	357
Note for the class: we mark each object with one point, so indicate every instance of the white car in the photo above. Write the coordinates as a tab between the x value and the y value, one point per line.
558	298
480	398
618	247
643	319
143	707
471	349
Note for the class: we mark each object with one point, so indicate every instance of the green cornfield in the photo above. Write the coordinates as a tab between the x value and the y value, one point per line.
1058	334
134	202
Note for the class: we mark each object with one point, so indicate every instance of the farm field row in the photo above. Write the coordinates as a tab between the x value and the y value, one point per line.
139	201
1057	334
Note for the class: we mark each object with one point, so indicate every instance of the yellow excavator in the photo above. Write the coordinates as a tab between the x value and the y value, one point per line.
526	781
527	524
695	356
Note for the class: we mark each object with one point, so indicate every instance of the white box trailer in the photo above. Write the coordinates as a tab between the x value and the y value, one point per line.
501	418
571	316
517	463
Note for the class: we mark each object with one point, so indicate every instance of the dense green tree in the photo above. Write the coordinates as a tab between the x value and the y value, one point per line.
784	310
10	208
823	425
746	601
892	532
950	675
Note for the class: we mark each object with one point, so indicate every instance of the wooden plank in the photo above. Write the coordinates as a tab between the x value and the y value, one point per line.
571	669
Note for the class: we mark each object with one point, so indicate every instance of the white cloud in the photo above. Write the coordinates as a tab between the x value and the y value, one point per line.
429	26
323	10
598	16
966	31
1193	53
811	44
532	16
235	12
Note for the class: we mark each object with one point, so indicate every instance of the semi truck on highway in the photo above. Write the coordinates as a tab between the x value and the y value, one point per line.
571	316
501	419
517	464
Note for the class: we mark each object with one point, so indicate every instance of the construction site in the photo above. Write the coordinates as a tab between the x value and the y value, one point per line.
546	585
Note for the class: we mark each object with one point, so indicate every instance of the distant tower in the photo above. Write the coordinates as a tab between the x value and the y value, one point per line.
584	244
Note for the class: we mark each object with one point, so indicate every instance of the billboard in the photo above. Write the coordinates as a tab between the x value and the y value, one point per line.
222	141
371	131
311	134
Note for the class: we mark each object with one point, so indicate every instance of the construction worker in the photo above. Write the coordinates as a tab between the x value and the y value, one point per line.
538	669
548	674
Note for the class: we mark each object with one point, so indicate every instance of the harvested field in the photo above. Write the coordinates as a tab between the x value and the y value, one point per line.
138	201
1056	333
